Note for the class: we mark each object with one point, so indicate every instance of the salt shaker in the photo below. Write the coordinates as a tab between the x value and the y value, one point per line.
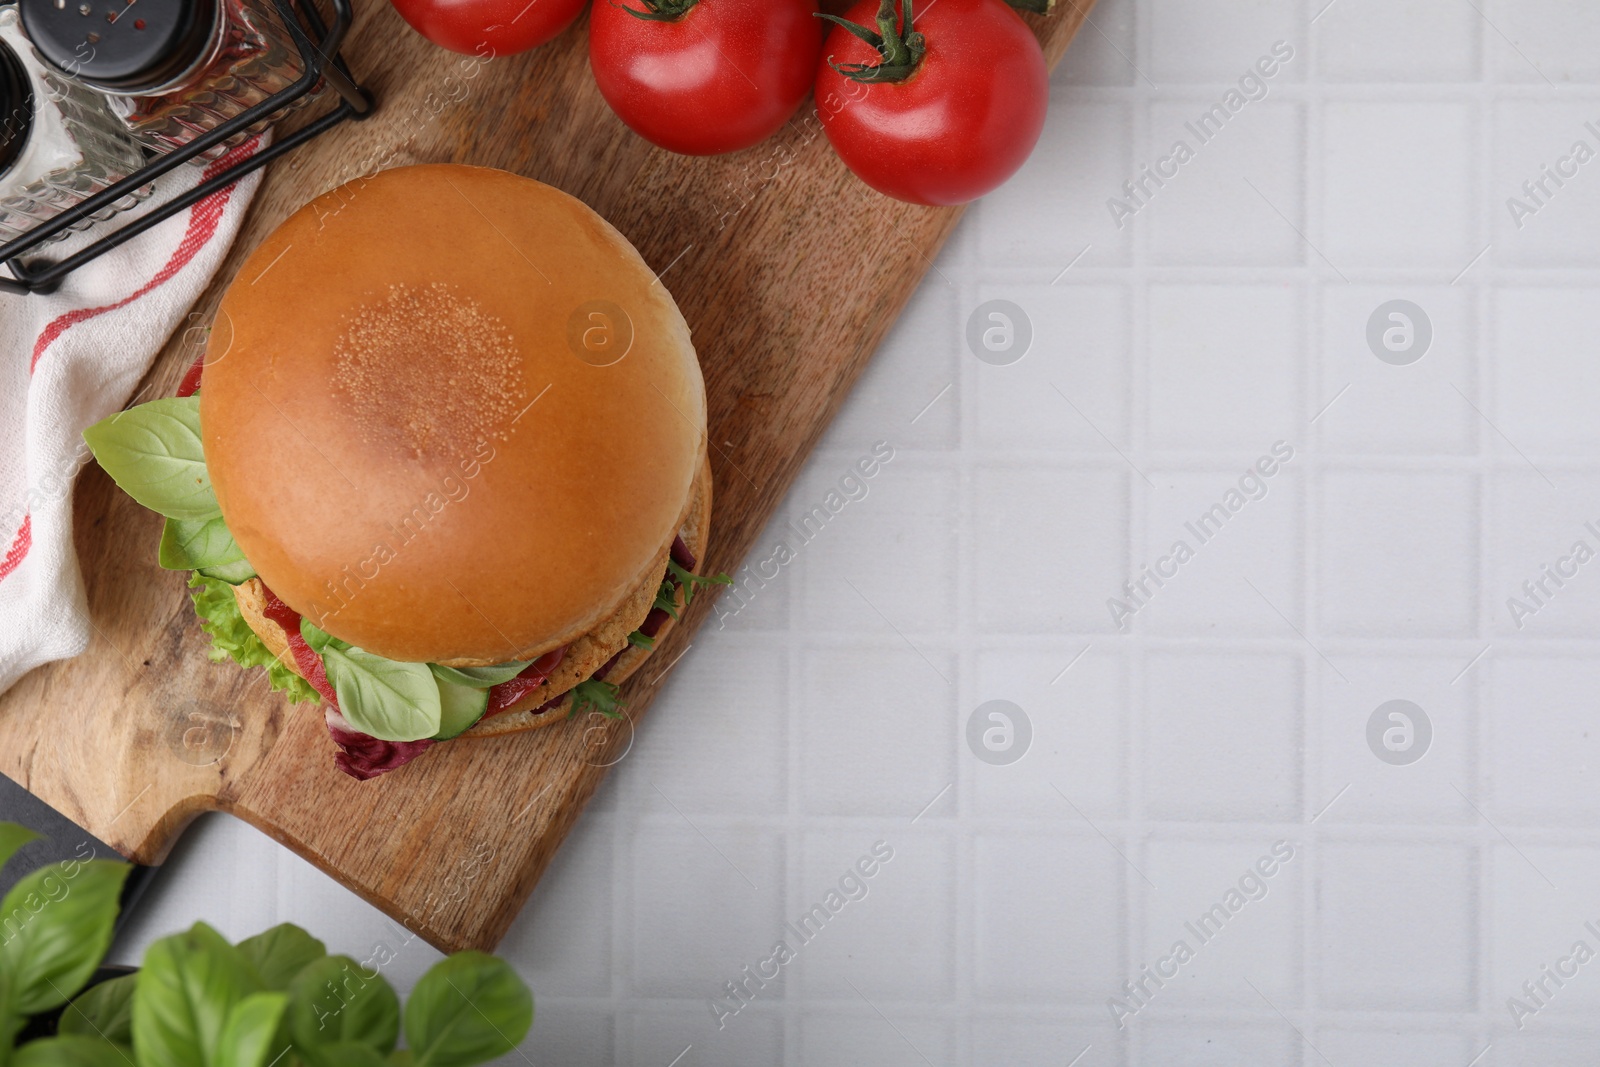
59	143
172	69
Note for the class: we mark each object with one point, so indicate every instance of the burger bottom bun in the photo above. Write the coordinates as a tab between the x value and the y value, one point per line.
583	657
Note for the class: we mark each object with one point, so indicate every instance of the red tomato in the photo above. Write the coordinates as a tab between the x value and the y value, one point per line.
489	27
964	119
724	75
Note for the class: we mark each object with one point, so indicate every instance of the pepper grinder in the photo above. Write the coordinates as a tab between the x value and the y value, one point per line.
172	69
59	143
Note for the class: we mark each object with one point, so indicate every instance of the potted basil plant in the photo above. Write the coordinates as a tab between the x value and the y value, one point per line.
275	1000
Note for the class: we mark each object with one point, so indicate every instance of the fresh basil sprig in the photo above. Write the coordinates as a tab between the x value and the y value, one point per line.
277	998
154	453
191	990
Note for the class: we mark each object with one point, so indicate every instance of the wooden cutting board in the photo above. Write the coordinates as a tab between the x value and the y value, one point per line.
789	272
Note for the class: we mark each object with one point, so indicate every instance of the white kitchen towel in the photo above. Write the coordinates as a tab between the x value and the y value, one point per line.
69	359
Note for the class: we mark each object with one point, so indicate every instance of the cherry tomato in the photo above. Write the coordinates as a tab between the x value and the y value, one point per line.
719	76
489	27
960	123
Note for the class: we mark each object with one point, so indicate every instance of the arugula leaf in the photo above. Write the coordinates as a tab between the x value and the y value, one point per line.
478	677
154	453
383	698
468	1009
187	991
281	953
246	1039
231	637
13	837
336	1002
189	544
72	1051
692	581
596	695
55	930
667	598
104	1011
638	640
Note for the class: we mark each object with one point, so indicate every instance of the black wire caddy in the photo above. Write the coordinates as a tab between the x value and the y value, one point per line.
318	45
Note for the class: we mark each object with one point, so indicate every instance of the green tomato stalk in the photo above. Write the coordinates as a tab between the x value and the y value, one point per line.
899	50
660	10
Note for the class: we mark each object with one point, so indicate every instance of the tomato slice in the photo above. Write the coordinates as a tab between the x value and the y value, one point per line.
305	657
533	676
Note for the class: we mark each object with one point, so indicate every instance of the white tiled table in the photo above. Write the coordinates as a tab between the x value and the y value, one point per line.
1168	356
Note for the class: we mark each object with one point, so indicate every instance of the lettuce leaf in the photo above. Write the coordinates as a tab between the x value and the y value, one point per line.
231	637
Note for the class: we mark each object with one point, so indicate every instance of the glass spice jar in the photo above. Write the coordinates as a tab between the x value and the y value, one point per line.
59	143
172	69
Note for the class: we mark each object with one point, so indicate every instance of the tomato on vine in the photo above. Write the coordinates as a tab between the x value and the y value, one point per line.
937	111
702	77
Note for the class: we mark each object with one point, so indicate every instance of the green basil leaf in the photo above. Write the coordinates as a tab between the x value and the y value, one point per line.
190	544
72	1051
246	1039
13	837
350	1054
469	1008
188	986
10	1025
55	930
154	453
336	1001
388	700
104	1011
232	573
319	640
478	677
281	953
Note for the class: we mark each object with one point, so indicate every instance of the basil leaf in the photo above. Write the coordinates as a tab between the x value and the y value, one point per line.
478	677
104	1011
337	1002
467	1009
13	837
154	453
190	544
350	1054
246	1039
54	931
388	700
72	1051
319	640
281	953
232	573
188	985
10	1026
